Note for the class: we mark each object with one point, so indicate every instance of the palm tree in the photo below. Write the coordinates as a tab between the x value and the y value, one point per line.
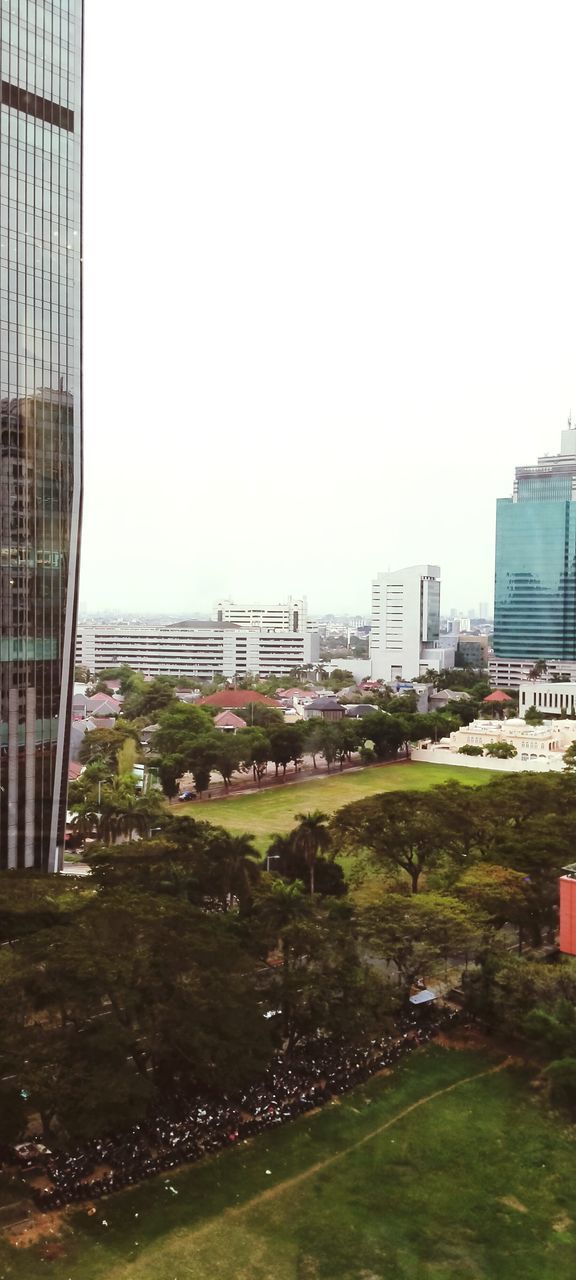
84	820
239	866
278	853
312	837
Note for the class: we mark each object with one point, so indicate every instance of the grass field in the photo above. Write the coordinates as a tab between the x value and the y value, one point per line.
446	1170
273	810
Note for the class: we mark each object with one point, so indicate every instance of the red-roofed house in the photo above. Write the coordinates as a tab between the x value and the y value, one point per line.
498	700
235	699
229	722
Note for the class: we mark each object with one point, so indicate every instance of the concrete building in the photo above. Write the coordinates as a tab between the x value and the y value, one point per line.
289	615
404	640
549	698
532	741
472	650
567	940
511	674
535	572
196	649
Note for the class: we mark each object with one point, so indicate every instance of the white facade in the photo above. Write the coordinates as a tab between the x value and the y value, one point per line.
548	697
289	615
511	673
404	640
531	741
195	651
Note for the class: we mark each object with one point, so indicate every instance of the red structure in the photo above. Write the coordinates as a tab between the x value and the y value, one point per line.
568	911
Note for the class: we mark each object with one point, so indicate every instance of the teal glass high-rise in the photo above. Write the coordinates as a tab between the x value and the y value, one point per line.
40	409
535	581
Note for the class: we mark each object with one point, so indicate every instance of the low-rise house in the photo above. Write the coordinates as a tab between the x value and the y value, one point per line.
324	709
235	699
358	710
229	722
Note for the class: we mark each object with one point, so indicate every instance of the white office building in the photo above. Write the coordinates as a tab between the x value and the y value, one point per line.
200	649
288	615
548	697
404	640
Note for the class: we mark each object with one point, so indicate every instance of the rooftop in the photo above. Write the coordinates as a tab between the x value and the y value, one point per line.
230	698
228	720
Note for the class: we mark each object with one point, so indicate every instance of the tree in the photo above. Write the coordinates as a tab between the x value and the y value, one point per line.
286	743
414	932
504	895
399	830
240	869
102	746
569	756
126	759
349	735
326	738
254	747
201	757
469	750
227	756
258	716
320	983
562	1083
501	750
170	771
312	837
538	670
179	726
385	732
534	716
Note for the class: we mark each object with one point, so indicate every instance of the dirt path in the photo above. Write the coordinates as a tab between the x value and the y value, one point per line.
218	1222
289	1183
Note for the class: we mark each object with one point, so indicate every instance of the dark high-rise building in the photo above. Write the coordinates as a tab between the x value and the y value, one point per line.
40	411
535	587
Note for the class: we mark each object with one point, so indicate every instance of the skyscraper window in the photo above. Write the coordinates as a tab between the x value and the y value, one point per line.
40	410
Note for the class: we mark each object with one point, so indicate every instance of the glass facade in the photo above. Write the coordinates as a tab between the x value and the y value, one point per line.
40	409
535	585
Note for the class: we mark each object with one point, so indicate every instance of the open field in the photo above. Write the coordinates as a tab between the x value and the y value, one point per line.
447	1170
272	812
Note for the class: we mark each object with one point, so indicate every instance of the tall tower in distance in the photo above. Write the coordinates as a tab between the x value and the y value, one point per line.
40	410
535	578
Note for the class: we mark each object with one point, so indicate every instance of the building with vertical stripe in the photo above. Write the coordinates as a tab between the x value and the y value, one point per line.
40	412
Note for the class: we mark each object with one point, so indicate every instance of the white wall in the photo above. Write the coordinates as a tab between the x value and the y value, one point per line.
441	755
361	668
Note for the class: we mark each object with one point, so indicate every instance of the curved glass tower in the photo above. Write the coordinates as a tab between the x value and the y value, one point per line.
40	411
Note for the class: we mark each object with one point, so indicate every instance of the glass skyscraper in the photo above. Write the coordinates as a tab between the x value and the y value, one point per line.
535	586
40	409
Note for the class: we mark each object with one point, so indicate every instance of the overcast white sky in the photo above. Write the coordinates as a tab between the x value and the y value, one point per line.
330	257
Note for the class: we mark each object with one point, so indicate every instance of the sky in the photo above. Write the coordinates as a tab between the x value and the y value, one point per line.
330	268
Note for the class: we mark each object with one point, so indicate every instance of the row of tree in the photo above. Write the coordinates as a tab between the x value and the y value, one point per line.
156	974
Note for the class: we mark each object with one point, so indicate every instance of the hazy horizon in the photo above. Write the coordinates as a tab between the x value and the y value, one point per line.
328	293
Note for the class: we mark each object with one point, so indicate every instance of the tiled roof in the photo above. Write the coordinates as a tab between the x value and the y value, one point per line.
227	720
230	698
498	696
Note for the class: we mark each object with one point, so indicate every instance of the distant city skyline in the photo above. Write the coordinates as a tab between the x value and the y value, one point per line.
329	362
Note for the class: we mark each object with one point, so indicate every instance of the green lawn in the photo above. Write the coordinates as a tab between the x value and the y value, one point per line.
476	1182
273	810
